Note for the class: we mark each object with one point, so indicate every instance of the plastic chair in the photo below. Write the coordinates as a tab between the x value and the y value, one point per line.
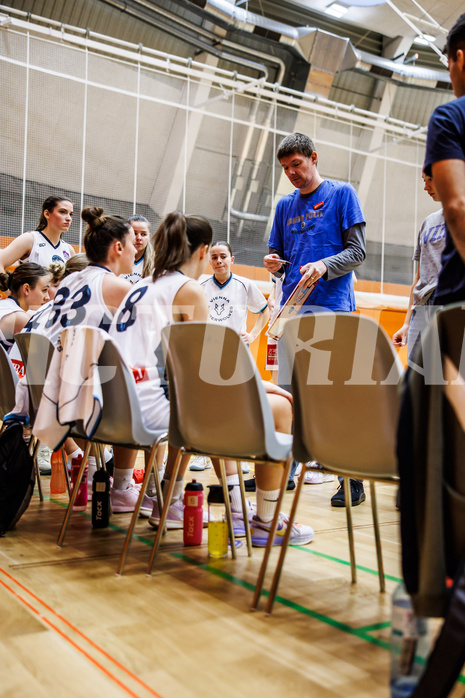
218	407
36	352
345	376
121	424
7	384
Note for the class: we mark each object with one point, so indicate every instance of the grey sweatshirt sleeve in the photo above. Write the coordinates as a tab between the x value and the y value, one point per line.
352	255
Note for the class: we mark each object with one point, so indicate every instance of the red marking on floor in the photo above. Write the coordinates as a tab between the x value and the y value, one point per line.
81	634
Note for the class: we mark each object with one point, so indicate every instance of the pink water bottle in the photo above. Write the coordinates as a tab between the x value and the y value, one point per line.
80	503
193	513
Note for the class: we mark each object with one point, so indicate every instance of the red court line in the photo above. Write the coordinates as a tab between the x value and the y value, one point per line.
81	634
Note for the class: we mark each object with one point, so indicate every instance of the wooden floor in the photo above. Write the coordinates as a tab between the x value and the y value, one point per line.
70	627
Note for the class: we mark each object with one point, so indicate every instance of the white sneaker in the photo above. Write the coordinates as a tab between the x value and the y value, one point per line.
124	501
200	463
43	459
245	467
313	477
175	518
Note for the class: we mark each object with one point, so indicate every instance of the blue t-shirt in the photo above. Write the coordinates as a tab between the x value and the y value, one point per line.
446	141
307	228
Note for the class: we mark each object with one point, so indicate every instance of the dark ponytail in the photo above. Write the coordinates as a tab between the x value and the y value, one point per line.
177	238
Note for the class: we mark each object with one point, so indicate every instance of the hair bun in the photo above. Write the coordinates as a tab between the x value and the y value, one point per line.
93	216
5	279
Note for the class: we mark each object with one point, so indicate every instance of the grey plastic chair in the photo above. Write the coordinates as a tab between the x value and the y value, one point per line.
345	376
7	383
121	424
36	352
218	407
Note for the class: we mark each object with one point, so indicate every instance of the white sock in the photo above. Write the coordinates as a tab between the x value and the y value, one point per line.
122	478
92	465
178	488
266	504
235	493
75	454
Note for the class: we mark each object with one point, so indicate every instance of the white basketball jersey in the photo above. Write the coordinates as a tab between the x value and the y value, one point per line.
44	253
136	329
7	306
228	303
78	301
136	274
36	323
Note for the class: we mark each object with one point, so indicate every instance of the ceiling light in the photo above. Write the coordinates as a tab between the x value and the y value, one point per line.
424	40
336	10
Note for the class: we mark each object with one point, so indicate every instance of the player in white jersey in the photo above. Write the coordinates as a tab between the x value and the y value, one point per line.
181	246
143	263
91	297
43	245
230	296
28	287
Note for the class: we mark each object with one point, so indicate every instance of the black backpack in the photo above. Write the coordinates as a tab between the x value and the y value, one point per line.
17	476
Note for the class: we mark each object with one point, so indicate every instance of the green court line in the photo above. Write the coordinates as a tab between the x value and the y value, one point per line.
361	633
376	626
368	570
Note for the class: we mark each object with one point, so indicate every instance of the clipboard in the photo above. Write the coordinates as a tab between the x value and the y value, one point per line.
290	309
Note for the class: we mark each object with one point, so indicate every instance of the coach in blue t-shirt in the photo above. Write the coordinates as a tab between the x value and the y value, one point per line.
445	159
320	230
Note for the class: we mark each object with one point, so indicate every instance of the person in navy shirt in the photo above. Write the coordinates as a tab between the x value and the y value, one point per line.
319	229
445	160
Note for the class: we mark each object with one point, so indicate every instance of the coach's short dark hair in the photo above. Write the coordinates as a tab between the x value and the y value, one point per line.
295	143
456	38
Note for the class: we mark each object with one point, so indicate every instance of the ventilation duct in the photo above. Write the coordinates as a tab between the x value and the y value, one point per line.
398	72
324	51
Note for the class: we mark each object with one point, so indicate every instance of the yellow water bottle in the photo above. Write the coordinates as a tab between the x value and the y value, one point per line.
217	523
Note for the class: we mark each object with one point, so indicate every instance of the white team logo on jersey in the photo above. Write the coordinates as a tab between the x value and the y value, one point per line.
222	309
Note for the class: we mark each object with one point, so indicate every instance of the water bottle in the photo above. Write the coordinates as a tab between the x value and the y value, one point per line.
218	533
100	499
58	477
410	645
193	513
80	503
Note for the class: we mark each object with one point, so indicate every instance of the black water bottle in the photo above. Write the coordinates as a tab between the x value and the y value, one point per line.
100	499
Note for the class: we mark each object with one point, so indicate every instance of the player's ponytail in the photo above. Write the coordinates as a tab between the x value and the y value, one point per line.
176	240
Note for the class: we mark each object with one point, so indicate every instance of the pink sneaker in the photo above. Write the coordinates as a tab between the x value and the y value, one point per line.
124	501
175	518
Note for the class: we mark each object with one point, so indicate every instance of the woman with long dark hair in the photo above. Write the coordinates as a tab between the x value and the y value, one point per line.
43	245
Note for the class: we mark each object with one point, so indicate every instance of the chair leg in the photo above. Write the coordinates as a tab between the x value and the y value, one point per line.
379	552
285	544
69	510
143	490
99	456
245	511
164	512
350	529
271	537
227	503
35	449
